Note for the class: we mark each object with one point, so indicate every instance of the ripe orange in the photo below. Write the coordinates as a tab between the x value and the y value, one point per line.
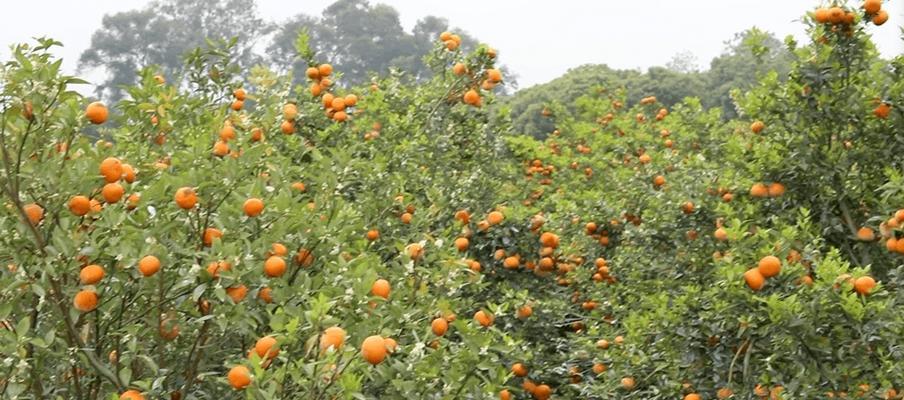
381	288
776	189
459	69
406	218
525	311
519	369
332	338
549	239
495	217
511	262
325	70
237	293
113	192
373	235
439	326
210	234
239	377
882	110
97	113
299	186
91	274
391	344
493	75
111	169
720	234
462	244
484	318
759	190
692	396
880	18
220	148
239	94
757	126
821	15
186	198
275	266
287	127
128	173
266	347
865	234
149	265
265	294
373	349
257	135
79	205
542	392
769	266
628	383
658	180
754	279
471	97
131	395
227	132
34	212
214	268
504	394
253	207
278	249
85	300
864	285
724	393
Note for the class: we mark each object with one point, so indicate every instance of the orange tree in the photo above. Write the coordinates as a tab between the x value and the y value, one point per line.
233	235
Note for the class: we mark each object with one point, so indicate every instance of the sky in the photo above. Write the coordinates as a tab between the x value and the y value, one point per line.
537	40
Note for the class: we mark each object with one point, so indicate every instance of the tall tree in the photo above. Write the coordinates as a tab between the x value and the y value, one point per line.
162	32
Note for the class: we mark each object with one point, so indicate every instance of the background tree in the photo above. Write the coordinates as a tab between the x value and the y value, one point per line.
162	33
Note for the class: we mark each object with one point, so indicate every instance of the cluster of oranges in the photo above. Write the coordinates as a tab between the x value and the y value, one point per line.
837	15
239	96
336	107
761	190
450	40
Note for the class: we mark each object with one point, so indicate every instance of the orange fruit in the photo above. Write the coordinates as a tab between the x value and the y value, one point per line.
759	190
239	377
511	262
113	192
542	392
148	265
495	218
275	266
754	279
381	288
131	395
776	189
266	347
439	326
658	180
278	249
415	251
484	318
253	207
391	344
692	396
216	267
525	311
332	338
239	94
257	135
227	132
519	369
769	266
462	244
406	218
237	293
549	239
186	198
128	173
325	70
865	234
493	75
880	18
97	113
864	285
210	234
79	205
821	15
351	100
373	349
724	393
85	300
757	126
504	394
459	69
373	235
471	97
265	294
882	110
312	73
720	234
91	274
220	148
34	212
299	186
628	383
111	169
287	127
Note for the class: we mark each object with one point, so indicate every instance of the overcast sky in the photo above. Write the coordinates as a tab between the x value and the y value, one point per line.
538	40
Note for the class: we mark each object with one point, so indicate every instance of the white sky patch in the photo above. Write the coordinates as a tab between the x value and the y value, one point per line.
538	40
